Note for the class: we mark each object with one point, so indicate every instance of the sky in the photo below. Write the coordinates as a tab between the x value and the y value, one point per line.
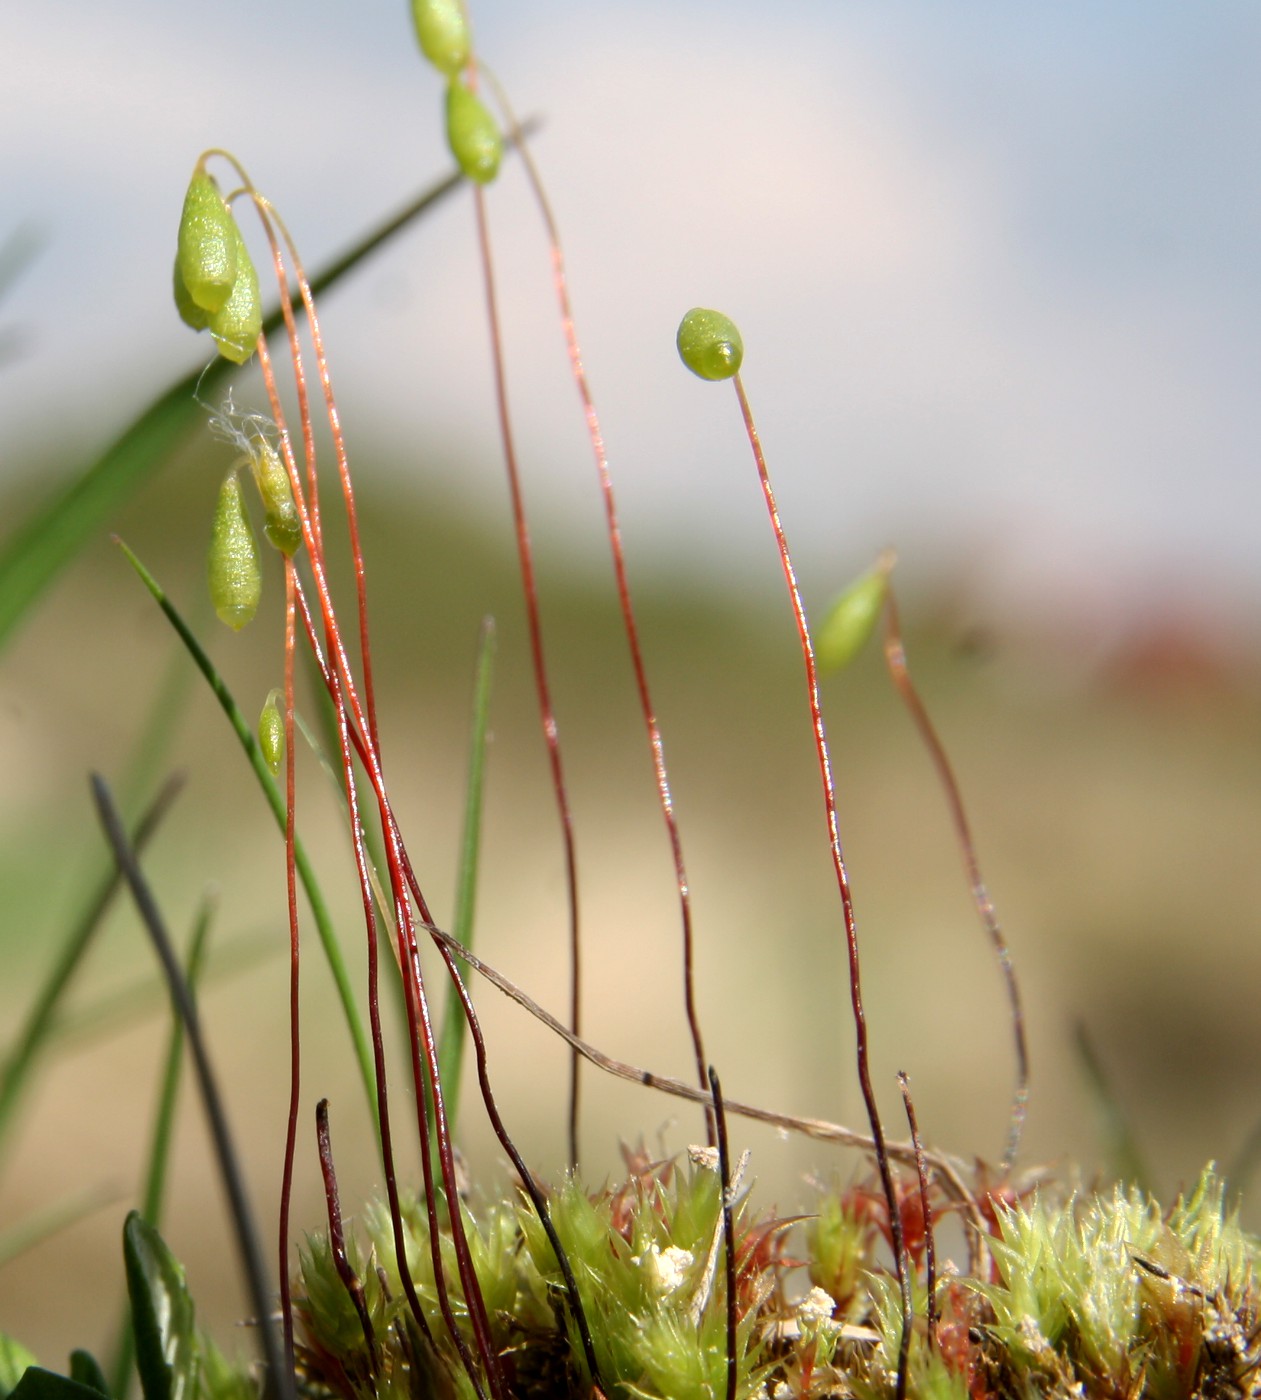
995	265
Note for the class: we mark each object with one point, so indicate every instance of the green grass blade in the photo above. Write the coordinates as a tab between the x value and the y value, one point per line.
1122	1153
41	1225
163	1131
454	1035
276	800
33	557
39	1022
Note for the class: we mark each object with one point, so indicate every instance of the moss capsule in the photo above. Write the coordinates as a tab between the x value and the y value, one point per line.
709	344
851	620
271	733
472	135
281	524
190	313
442	28
208	244
238	322
235	577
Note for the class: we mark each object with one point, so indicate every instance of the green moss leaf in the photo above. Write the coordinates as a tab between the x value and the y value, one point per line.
14	1359
167	1351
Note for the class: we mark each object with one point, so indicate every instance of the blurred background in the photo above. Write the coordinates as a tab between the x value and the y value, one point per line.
995	267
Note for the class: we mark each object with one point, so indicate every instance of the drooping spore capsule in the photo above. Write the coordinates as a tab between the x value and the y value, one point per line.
851	620
709	344
281	524
235	576
271	733
189	312
208	244
443	31
472	134
238	322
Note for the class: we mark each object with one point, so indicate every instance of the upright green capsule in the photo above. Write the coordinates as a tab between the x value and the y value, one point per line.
207	249
271	733
238	322
442	28
281	524
235	576
709	344
851	620
472	134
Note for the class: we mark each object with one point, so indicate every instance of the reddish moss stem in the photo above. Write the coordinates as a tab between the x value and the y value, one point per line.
547	713
337	1237
838	859
560	282
895	656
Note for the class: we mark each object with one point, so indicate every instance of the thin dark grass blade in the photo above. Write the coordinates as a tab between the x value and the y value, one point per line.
163	1133
728	1231
277	1383
276	800
40	1019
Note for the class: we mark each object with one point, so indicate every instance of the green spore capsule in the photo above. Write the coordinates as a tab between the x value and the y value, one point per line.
472	135
208	244
709	344
190	313
271	733
238	322
442	28
851	620
236	579
281	524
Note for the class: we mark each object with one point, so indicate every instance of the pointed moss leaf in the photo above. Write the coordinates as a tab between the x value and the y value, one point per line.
442	28
235	576
281	524
14	1359
190	313
238	323
162	1314
38	1384
472	134
271	734
709	344
85	1369
850	621
208	244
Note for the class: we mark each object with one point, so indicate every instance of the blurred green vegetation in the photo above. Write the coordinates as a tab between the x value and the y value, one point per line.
1117	827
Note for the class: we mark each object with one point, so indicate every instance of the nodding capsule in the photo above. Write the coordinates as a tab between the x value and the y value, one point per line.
472	134
207	247
234	573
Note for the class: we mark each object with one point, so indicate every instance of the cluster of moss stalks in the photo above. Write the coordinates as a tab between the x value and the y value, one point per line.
1090	1295
1081	1295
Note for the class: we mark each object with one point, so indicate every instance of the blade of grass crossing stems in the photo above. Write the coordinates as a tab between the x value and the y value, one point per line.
163	1131
48	542
146	761
40	1019
454	1035
277	1382
42	1225
276	800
